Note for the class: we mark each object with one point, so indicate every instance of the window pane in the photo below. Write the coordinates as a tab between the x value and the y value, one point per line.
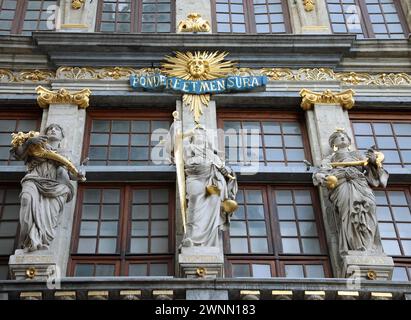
158	269
104	270
294	271
314	271
240	270
137	270
84	270
261	271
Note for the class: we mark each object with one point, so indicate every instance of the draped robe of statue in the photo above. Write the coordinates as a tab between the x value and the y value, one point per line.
204	213
203	168
354	202
45	190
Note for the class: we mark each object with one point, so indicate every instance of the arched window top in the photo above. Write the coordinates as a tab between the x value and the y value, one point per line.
251	16
26	16
152	16
381	19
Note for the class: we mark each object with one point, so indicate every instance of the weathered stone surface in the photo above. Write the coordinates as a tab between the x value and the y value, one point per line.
310	22
184	7
37	265
207	295
357	264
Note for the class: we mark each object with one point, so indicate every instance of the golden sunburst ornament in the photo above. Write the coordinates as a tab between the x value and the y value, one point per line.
197	66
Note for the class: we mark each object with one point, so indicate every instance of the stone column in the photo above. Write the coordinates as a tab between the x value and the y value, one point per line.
77	16
406	6
186	7
324	113
66	109
309	17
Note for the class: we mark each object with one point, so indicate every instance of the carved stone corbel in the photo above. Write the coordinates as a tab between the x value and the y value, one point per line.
310	98
62	96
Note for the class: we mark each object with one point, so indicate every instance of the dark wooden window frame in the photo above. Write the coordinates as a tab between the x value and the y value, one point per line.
4	259
249	18
273	235
24	114
382	116
265	115
136	17
119	115
19	15
365	21
122	258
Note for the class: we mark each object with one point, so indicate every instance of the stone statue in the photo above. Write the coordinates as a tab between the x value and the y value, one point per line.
46	186
349	176
210	189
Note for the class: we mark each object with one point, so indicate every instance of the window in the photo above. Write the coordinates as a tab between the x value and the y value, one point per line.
123	230
26	16
251	16
392	137
12	123
276	232
394	221
276	140
9	226
136	16
135	141
381	19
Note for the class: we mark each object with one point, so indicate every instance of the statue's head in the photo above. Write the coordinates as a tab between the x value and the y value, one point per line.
54	132
339	139
198	67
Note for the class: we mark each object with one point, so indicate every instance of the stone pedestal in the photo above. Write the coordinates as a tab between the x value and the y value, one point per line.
357	264
201	262
82	19
312	21
37	265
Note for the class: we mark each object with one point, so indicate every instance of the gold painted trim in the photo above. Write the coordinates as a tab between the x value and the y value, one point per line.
348	293
130	293
309	5
251	292
163	292
310	98
62	96
281	293
73	26
315	28
97	293
314	293
194	23
30	294
65	293
77	4
381	294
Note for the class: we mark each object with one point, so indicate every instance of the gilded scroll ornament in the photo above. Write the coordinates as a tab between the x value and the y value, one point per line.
115	73
310	98
35	76
6	75
197	66
62	96
309	5
75	73
278	74
194	23
77	4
